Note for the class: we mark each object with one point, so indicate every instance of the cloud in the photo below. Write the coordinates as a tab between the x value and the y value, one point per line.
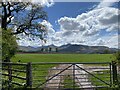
96	27
28	41
91	22
109	41
86	28
113	28
47	3
109	20
66	21
106	3
49	27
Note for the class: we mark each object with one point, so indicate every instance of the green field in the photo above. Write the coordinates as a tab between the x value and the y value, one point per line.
39	76
24	58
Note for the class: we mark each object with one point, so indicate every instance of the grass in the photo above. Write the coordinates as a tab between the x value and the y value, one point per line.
69	82
102	75
63	58
38	74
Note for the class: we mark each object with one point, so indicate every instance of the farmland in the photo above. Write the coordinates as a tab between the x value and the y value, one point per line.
24	58
41	71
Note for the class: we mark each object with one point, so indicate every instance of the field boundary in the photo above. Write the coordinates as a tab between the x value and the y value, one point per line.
59	70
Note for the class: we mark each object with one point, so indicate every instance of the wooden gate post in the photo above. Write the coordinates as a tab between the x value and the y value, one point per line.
9	74
114	69
73	76
29	74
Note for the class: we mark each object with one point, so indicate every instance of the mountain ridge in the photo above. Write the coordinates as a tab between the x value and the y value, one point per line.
69	48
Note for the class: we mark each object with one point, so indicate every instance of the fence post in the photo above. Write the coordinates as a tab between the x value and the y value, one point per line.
9	74
73	76
110	65
29	74
114	69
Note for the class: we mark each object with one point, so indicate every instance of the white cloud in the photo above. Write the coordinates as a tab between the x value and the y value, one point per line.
92	22
113	41
47	3
28	41
113	28
109	20
49	27
86	28
106	3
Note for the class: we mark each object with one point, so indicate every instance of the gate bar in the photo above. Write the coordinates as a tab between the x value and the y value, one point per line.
92	74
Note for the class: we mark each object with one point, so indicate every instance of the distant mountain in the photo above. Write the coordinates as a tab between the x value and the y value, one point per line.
36	49
85	49
28	48
69	48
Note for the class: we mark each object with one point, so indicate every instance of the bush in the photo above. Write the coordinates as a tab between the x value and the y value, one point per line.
117	57
9	45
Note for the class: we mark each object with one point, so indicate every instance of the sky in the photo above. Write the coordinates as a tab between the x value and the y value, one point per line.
86	23
68	9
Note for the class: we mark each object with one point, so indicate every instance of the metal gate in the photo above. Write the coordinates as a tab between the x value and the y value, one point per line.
59	76
62	76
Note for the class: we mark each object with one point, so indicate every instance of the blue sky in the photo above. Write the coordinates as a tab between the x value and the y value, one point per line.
86	23
69	9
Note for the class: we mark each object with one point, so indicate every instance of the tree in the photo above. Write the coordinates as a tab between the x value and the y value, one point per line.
117	58
0	44
22	17
56	49
9	45
106	51
42	49
49	49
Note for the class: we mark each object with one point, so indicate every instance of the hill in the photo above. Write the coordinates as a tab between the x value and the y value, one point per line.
84	49
69	48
